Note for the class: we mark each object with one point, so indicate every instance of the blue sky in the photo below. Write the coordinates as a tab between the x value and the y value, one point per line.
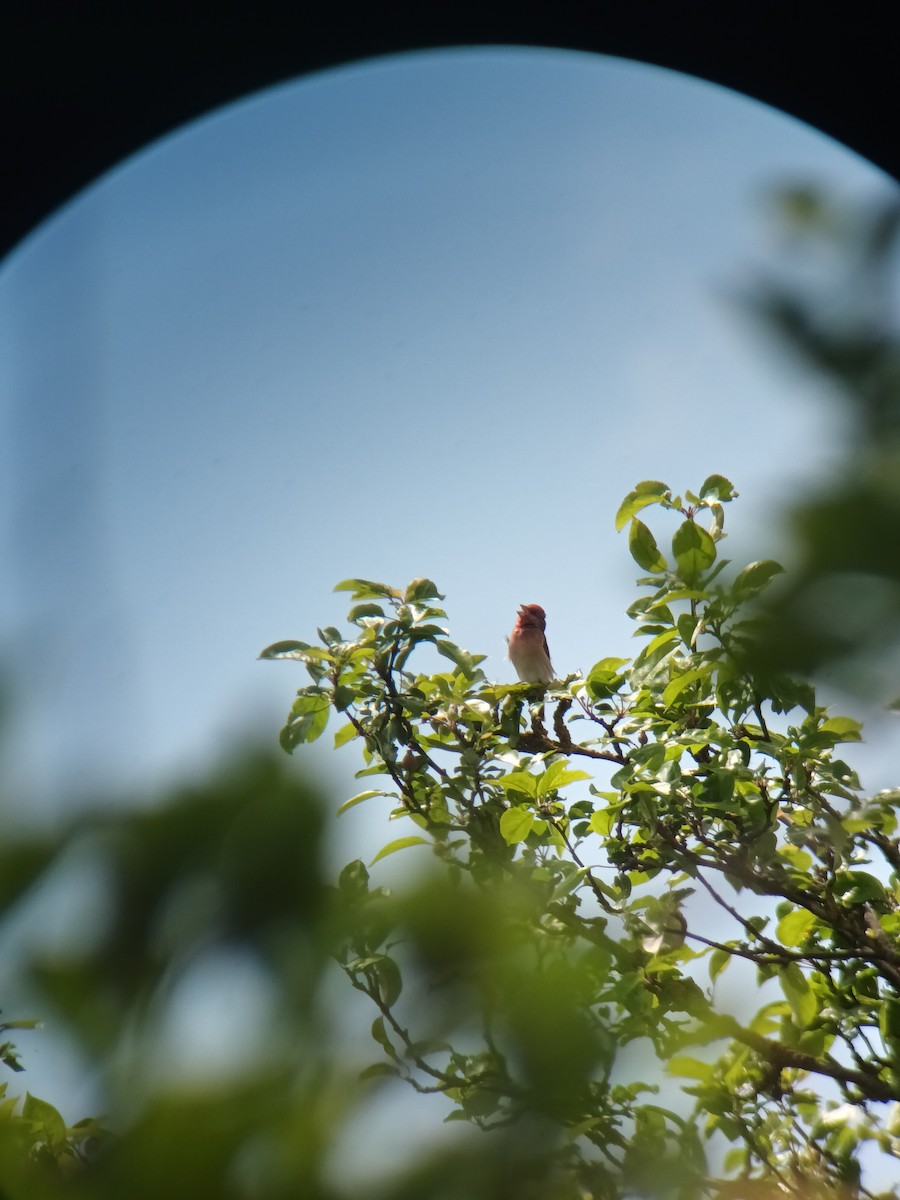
429	315
432	314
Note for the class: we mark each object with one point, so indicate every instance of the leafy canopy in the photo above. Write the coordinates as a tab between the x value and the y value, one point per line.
605	850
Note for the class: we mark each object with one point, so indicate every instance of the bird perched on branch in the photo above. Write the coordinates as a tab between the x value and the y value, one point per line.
528	650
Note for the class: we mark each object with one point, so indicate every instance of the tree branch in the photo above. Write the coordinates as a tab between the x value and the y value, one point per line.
786	1058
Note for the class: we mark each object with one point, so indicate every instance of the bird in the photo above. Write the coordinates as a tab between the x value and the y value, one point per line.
528	650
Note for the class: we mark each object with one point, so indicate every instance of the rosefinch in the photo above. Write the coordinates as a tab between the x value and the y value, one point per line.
528	650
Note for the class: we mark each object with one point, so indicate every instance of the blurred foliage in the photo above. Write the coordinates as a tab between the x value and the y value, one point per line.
832	305
585	863
233	865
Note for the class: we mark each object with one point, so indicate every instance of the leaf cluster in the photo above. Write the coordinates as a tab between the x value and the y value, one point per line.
604	850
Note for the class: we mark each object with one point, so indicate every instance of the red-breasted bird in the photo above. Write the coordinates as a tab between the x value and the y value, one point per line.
528	650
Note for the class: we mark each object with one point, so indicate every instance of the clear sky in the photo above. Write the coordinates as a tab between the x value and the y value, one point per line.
427	315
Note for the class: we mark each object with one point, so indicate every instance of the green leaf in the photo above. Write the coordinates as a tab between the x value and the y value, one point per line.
717	791
889	1020
379	1033
669	596
644	549
330	635
516	824
846	729
399	844
602	821
462	659
677	685
20	1024
798	994
667	635
45	1117
292	650
345	734
768	1019
431	633
859	887
520	781
651	491
717	512
690	1068
794	927
353	880
378	1070
604	677
390	981
309	716
354	800
366	589
9	1057
558	776
342	698
718	961
689	628
694	550
717	487
755	577
650	757
422	589
799	859
359	611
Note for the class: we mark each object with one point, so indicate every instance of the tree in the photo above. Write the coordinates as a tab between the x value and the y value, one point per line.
604	850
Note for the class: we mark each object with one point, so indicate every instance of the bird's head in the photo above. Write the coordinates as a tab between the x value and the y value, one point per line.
532	615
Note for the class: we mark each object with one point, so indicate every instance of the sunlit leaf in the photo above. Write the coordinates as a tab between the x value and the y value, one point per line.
661	639
689	1068
558	775
644	549
359	611
651	491
366	589
45	1116
718	961
521	781
309	716
845	728
794	927
358	799
399	844
292	650
516	824
694	550
344	735
677	685
717	486
798	994
604	677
